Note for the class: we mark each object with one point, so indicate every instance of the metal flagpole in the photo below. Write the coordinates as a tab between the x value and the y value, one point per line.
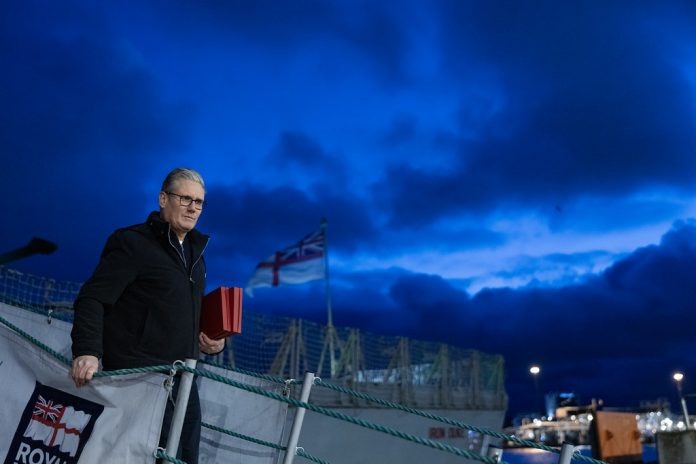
330	327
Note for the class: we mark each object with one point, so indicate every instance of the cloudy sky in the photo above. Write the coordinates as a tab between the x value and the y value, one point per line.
514	177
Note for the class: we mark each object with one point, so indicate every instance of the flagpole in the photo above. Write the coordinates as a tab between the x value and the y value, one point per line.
329	317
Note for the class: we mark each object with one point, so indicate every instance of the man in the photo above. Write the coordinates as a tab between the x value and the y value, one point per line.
141	307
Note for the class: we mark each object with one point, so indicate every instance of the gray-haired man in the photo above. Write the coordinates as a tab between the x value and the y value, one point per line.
141	307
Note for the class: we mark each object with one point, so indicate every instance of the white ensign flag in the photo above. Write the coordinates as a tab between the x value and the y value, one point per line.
296	264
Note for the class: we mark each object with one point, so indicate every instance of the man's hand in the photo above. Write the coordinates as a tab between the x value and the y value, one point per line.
83	368
210	346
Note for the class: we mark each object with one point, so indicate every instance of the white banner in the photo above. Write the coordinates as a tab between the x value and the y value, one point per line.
125	412
243	412
45	419
55	334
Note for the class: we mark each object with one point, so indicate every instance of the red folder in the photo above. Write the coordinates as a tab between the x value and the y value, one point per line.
221	313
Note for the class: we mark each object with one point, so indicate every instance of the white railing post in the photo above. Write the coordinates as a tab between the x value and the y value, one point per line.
686	413
566	453
490	451
299	417
495	452
485	443
182	398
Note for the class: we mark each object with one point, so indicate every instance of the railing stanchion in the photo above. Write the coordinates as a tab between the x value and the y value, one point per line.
494	452
566	453
485	443
299	417
182	398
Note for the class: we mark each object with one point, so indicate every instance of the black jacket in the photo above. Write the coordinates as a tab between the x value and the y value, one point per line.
142	305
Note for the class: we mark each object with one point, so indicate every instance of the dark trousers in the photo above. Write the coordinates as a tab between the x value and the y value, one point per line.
191	431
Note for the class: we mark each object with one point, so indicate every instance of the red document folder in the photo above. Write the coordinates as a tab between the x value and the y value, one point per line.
221	313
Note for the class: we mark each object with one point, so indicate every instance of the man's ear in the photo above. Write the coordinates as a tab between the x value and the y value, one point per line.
162	199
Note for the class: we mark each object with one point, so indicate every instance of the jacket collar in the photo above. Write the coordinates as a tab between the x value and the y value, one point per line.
161	229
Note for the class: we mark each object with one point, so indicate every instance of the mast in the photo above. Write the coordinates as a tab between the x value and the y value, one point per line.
330	330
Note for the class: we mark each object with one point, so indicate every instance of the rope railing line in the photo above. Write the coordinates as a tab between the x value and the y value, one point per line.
346	418
68	362
258	375
52	311
446	420
302	453
64	359
163	455
299	451
258	441
164	368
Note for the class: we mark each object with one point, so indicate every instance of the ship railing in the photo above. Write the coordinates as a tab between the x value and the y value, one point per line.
309	382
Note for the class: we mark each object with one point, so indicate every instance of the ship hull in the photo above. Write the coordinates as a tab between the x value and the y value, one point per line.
340	442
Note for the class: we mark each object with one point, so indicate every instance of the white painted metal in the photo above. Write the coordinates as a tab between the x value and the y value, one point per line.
298	419
566	453
180	409
339	442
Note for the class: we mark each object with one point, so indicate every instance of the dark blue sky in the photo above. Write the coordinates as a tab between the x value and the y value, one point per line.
515	177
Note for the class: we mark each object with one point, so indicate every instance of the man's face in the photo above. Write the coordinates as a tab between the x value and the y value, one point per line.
181	218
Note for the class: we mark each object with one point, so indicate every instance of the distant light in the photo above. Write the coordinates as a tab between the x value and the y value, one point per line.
590	417
678	376
534	370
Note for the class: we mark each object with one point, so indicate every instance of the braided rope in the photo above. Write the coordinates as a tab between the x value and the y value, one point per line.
68	362
244	437
160	453
134	370
258	375
36	342
301	452
298	452
427	415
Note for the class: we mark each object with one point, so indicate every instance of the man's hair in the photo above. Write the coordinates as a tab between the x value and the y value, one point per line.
181	174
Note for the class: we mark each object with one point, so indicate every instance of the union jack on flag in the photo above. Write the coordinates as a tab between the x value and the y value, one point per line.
47	410
296	264
310	247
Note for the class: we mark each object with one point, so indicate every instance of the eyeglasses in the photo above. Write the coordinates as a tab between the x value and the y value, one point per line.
185	200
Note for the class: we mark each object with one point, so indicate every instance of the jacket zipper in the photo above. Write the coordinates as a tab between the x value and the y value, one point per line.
191	281
193	266
193	303
179	252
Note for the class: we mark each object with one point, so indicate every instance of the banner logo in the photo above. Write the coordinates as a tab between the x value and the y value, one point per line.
54	428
